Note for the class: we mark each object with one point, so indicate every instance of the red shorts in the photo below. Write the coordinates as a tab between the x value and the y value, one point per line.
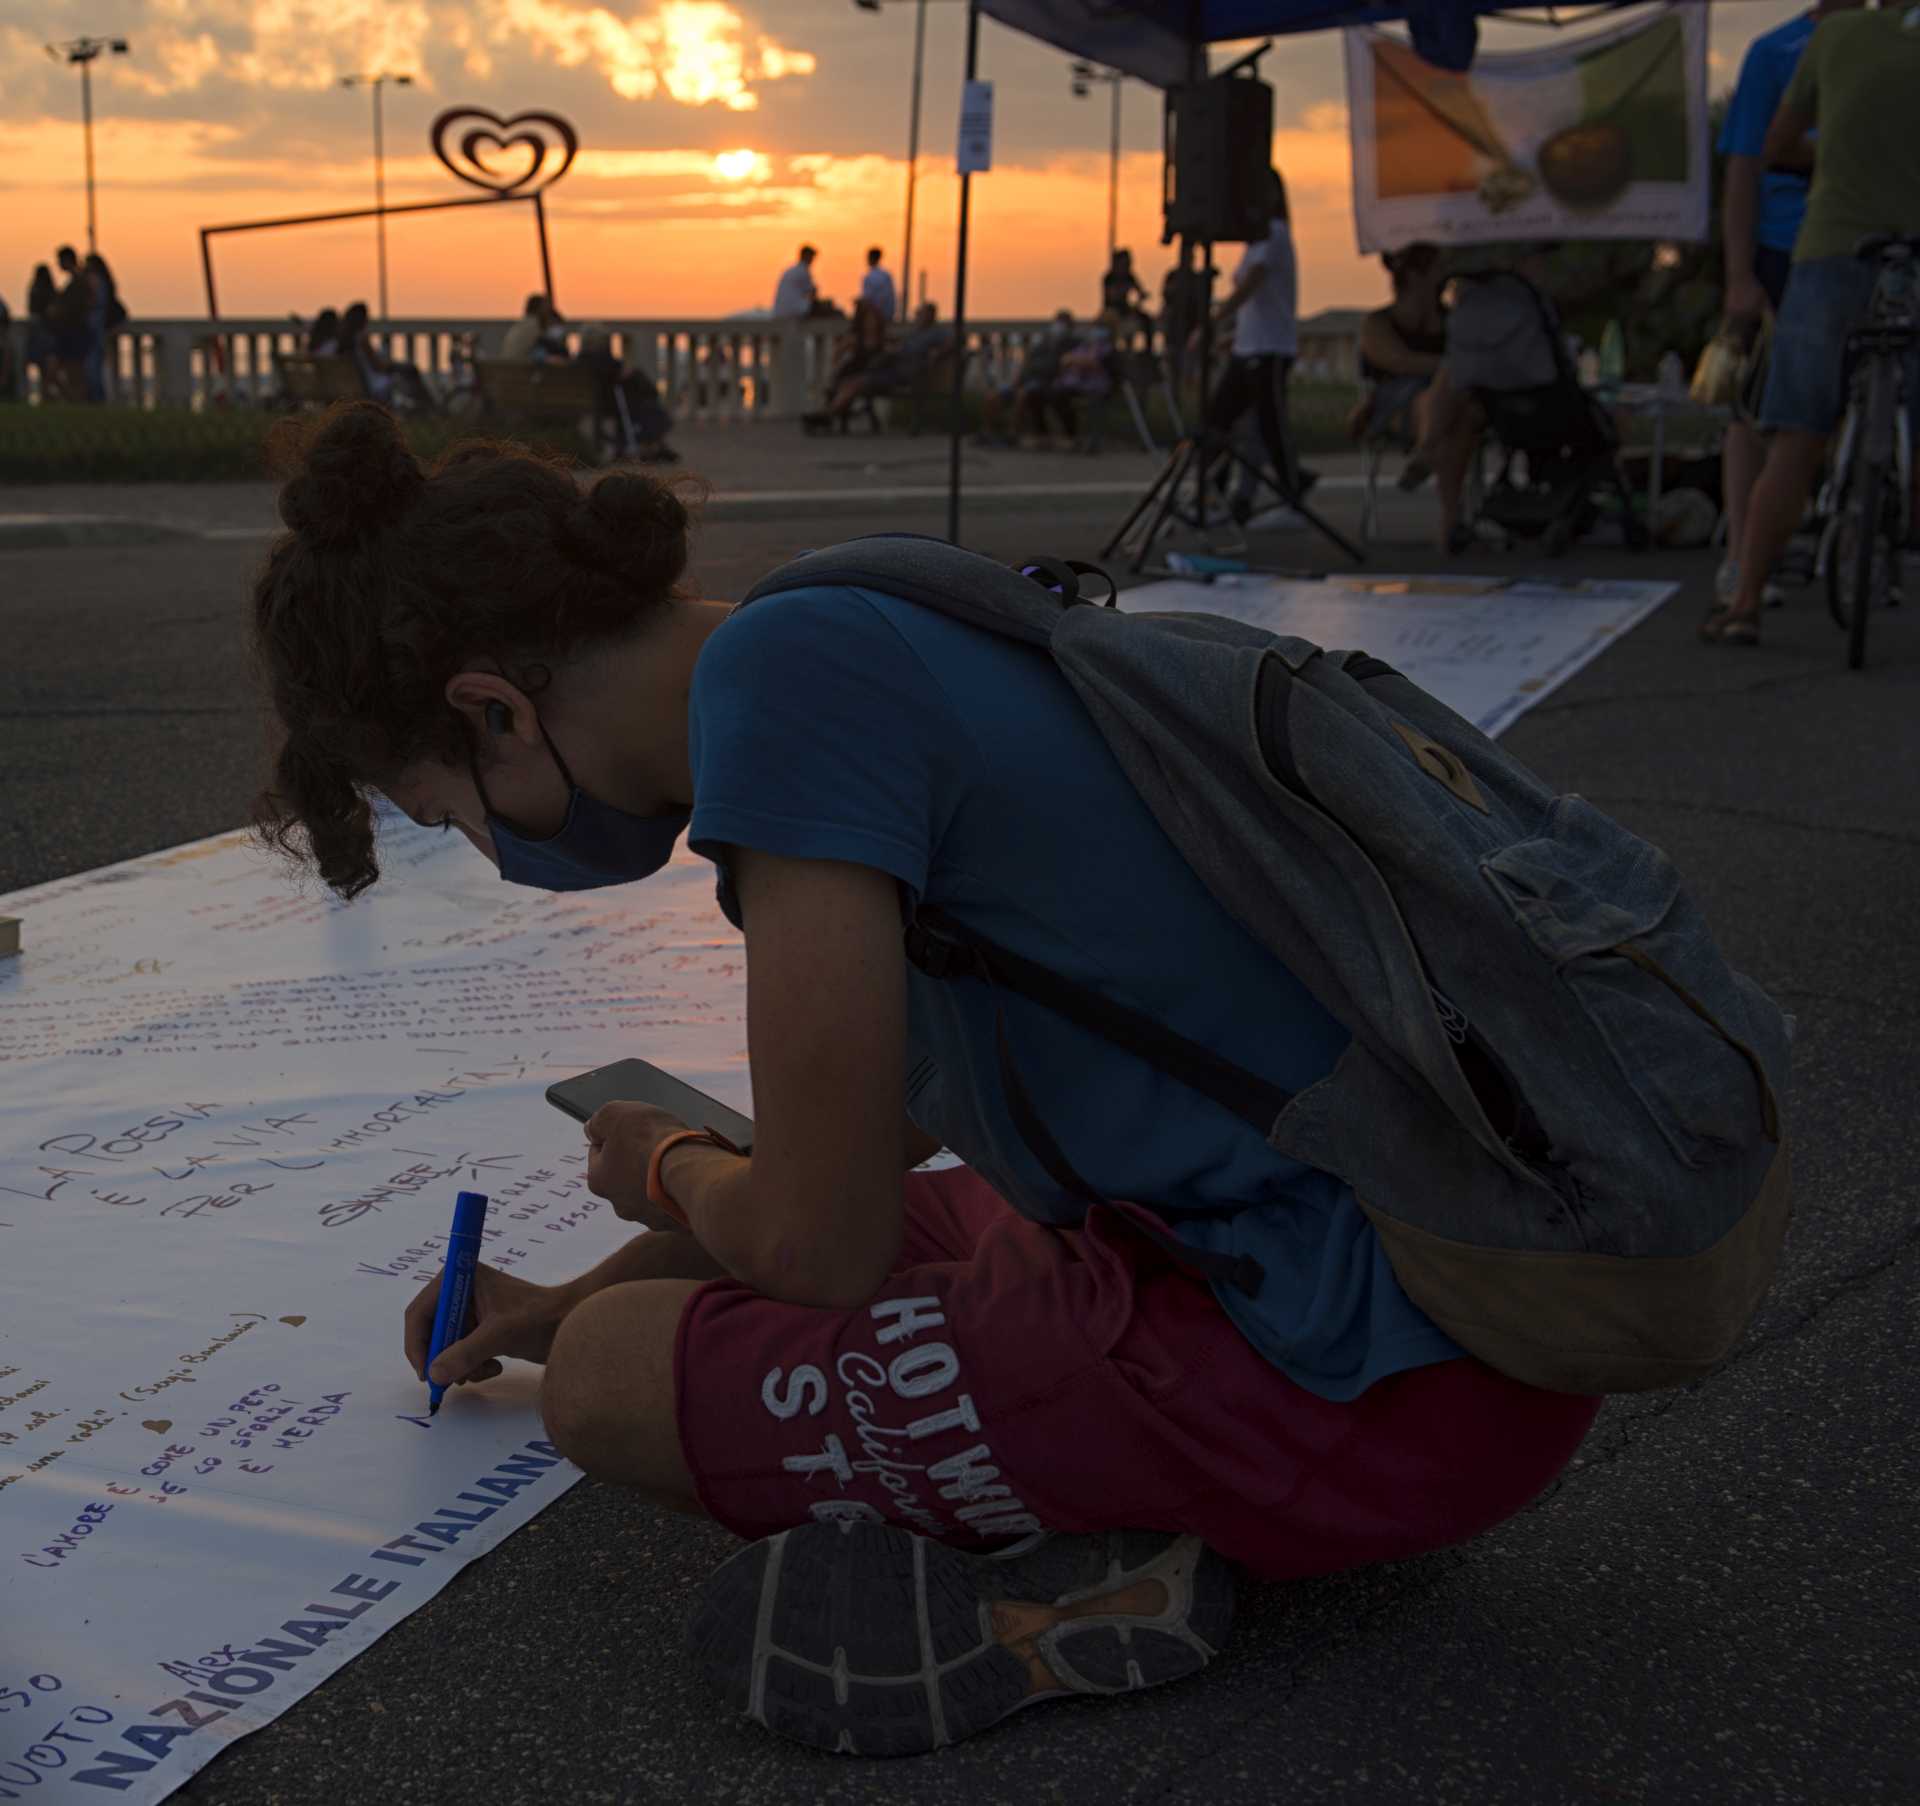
1010	1377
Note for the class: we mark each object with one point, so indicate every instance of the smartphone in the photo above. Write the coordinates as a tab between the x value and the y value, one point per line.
637	1082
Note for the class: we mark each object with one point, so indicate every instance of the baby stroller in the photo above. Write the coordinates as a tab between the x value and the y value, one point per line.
1559	449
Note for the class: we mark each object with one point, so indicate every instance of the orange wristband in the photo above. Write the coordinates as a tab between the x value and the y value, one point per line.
656	1189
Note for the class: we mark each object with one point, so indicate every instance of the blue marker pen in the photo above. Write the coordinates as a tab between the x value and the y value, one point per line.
456	1283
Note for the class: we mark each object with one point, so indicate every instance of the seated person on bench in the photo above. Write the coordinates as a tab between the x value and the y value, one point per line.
858	350
1497	339
1402	346
1025	398
1085	374
385	379
539	334
905	363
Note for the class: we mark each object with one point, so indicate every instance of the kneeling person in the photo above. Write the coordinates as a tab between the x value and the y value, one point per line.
1028	1433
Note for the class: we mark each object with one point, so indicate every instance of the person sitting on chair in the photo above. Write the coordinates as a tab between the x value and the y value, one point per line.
1402	347
1086	374
1005	410
1498	338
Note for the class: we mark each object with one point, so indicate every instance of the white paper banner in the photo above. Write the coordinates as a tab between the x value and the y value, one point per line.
1599	137
234	1119
1488	647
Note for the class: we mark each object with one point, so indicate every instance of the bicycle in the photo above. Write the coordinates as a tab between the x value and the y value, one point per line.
1867	501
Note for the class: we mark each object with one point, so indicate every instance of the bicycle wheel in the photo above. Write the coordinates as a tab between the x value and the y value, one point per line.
1863	561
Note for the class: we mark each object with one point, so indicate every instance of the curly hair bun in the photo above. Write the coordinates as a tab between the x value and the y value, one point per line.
632	527
352	477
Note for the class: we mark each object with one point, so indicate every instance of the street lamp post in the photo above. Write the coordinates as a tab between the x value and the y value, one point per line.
905	297
913	157
376	82
82	52
1084	76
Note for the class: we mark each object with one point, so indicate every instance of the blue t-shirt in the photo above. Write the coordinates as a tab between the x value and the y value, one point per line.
1770	62
845	724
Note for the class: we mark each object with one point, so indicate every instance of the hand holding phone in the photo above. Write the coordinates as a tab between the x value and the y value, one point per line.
629	1108
637	1081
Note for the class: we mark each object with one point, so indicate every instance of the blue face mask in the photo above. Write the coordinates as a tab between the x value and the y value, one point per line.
596	845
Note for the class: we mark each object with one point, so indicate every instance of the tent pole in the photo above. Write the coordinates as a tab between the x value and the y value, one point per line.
960	304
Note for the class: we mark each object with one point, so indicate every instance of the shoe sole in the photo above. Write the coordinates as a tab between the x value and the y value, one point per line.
868	1640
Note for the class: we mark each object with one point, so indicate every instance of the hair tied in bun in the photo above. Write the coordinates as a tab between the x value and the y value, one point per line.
358	476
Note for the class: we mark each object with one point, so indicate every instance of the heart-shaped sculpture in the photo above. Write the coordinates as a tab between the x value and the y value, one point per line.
295	1321
158	1425
541	136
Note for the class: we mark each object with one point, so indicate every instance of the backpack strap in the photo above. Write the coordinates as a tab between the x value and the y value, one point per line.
934	574
937	947
1062	575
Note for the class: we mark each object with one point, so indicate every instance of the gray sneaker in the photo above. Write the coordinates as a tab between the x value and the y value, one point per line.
869	1640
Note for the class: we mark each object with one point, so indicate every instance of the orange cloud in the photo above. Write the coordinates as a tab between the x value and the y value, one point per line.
693	51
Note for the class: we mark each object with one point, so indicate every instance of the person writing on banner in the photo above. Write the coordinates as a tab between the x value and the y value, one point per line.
1040	1407
1847	114
1263	307
1761	211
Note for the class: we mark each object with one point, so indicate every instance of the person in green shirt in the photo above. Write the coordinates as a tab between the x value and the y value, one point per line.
1857	84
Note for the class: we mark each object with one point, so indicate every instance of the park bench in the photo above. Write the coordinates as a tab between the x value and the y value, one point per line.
309	381
932	382
537	394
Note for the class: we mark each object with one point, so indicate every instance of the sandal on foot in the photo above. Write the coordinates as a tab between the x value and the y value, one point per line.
1715	618
1739	630
869	1640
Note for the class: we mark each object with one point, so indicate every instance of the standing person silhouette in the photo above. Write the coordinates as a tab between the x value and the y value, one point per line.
1263	307
876	288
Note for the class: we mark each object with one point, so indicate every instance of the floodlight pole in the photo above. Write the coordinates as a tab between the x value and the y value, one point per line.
377	82
905	305
960	302
86	126
81	52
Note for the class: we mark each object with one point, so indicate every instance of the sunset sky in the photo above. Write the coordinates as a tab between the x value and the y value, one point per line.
714	137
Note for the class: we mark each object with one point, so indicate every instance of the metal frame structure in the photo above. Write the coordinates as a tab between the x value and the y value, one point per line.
530	186
209	233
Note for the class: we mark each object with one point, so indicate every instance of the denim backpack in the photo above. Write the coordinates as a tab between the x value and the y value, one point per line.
1560	1109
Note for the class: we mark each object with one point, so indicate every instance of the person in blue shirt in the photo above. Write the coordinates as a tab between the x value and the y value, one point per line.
991	1438
1761	211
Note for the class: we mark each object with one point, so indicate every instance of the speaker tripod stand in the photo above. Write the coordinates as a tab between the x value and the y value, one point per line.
1197	460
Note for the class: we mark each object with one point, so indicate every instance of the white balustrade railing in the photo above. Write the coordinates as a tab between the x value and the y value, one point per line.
706	369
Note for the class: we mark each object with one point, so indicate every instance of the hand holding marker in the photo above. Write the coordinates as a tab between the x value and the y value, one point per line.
456	1283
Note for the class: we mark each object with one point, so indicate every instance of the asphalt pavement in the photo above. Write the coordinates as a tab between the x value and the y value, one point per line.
1716	1603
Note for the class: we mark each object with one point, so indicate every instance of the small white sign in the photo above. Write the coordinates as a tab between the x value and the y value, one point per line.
976	127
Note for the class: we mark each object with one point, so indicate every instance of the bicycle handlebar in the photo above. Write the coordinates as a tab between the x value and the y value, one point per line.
1876	245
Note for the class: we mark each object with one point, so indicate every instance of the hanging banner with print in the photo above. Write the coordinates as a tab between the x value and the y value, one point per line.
1604	137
